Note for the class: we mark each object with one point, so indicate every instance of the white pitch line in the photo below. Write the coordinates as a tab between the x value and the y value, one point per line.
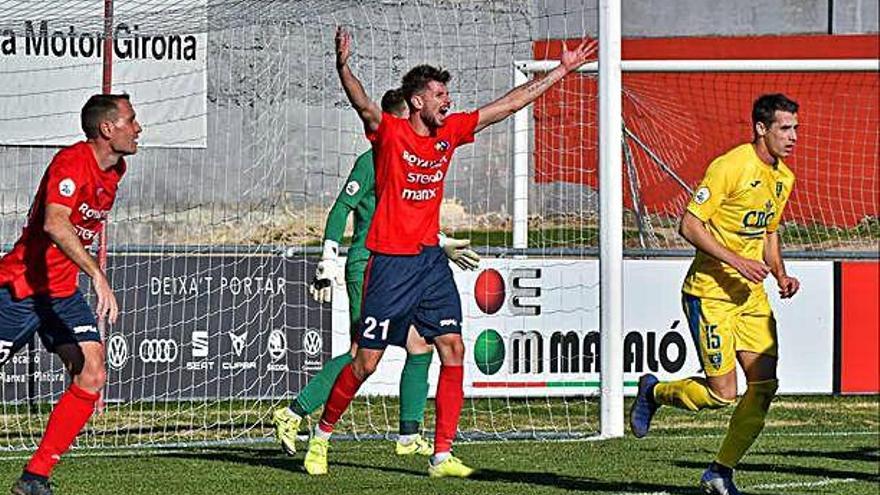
109	453
805	484
598	438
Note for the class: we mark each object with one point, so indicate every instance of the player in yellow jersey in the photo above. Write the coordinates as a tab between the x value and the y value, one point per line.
732	220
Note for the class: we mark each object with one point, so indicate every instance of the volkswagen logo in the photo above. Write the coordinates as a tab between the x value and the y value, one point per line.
158	351
277	344
312	342
117	352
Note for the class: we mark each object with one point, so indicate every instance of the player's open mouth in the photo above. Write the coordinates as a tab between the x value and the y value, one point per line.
444	110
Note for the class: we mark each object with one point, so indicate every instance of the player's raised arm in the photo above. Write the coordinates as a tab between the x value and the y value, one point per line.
367	109
520	96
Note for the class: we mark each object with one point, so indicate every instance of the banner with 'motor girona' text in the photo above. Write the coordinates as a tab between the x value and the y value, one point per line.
52	58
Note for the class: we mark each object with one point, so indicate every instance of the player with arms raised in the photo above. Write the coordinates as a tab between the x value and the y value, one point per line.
38	277
358	197
407	280
732	220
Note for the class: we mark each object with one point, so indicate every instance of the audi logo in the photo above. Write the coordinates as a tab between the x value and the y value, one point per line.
117	351
158	351
312	342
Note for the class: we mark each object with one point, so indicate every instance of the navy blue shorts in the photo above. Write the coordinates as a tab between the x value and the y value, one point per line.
400	291
58	320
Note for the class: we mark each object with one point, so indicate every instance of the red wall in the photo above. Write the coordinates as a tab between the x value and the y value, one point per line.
689	119
860	327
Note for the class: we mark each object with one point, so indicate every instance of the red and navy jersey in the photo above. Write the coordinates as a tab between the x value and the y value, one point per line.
35	265
410	173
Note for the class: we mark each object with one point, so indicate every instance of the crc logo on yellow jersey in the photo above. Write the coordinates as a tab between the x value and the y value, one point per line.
759	219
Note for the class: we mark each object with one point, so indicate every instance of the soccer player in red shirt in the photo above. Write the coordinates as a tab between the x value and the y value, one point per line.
38	277
408	280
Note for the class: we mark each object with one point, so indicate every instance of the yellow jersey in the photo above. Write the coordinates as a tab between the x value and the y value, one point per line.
740	200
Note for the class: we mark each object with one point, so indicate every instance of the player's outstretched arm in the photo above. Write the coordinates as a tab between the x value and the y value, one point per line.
59	229
693	230
788	286
520	96
367	109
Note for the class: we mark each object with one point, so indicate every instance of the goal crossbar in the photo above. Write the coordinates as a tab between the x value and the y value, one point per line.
744	65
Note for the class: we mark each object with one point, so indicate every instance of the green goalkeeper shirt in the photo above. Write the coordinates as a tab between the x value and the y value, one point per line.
357	196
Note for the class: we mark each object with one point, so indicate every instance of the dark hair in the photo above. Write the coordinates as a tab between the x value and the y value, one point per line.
393	102
765	107
98	109
417	79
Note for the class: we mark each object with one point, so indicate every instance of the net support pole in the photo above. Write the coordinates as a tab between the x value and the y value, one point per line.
106	88
520	169
610	220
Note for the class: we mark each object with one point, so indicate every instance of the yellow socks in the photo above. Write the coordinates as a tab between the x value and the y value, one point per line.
691	393
746	422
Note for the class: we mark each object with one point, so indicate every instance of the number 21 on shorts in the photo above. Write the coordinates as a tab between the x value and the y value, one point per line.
371	327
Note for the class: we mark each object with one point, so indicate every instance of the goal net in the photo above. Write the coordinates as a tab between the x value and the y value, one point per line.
248	139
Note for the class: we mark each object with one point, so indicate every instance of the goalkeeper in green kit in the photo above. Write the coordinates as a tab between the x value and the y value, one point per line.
358	196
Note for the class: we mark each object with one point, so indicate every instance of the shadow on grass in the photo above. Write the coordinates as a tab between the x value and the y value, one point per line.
270	457
258	457
818	472
862	454
580	484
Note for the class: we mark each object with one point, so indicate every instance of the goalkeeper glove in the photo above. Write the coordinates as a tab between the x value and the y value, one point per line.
328	273
457	252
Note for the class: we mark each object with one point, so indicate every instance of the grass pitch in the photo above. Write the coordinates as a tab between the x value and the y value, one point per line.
828	445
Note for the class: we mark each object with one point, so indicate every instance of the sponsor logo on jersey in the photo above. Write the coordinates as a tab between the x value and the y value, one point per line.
702	195
441	145
67	187
418	194
417	178
352	188
779	188
415	160
89	213
755	183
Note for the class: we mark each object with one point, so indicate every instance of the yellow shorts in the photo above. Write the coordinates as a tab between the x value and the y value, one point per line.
721	328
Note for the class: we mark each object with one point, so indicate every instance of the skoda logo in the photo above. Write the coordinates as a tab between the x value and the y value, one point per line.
312	342
158	351
277	344
117	352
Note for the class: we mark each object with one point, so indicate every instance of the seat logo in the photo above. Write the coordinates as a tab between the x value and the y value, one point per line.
312	342
277	344
117	352
158	351
238	342
200	344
